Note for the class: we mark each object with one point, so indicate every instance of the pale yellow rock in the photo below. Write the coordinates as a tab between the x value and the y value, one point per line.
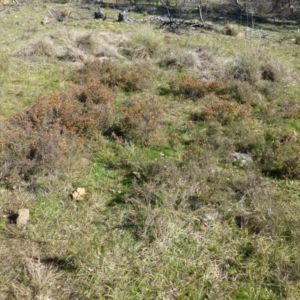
23	217
45	21
79	194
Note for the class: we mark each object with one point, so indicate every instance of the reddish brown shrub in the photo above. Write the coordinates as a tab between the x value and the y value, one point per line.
223	111
83	110
27	152
132	77
42	139
93	90
140	118
186	86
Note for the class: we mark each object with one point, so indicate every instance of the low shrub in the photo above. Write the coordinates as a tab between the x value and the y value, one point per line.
279	156
132	77
43	139
224	112
140	118
93	90
188	87
246	135
268	89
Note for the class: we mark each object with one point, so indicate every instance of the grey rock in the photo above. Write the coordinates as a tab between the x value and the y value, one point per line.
211	216
242	158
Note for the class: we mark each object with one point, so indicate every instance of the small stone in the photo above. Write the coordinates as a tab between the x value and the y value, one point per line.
242	158
45	21
23	217
211	216
79	194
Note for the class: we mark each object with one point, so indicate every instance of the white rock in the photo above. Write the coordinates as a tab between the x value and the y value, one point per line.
45	21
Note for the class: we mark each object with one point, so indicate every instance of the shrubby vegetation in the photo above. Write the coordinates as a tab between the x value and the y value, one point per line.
170	213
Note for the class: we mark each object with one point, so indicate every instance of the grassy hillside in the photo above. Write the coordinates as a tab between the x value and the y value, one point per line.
186	144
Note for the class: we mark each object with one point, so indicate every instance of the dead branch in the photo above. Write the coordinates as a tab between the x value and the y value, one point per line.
167	8
202	24
71	13
200	12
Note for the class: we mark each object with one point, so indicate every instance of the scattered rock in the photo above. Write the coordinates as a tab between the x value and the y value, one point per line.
242	158
210	217
45	21
79	194
23	217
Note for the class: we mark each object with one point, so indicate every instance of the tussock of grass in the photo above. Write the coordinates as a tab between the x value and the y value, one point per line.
44	47
189	59
275	72
253	69
73	54
145	42
247	68
230	29
101	44
75	45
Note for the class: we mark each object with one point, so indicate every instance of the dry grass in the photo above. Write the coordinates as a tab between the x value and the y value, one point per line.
230	29
43	47
189	59
145	43
75	46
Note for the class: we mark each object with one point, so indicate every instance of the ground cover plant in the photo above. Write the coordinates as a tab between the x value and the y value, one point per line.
187	146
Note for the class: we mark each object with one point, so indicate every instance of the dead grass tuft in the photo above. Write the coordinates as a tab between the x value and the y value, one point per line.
230	29
182	59
43	47
145	43
274	71
253	69
73	54
75	45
